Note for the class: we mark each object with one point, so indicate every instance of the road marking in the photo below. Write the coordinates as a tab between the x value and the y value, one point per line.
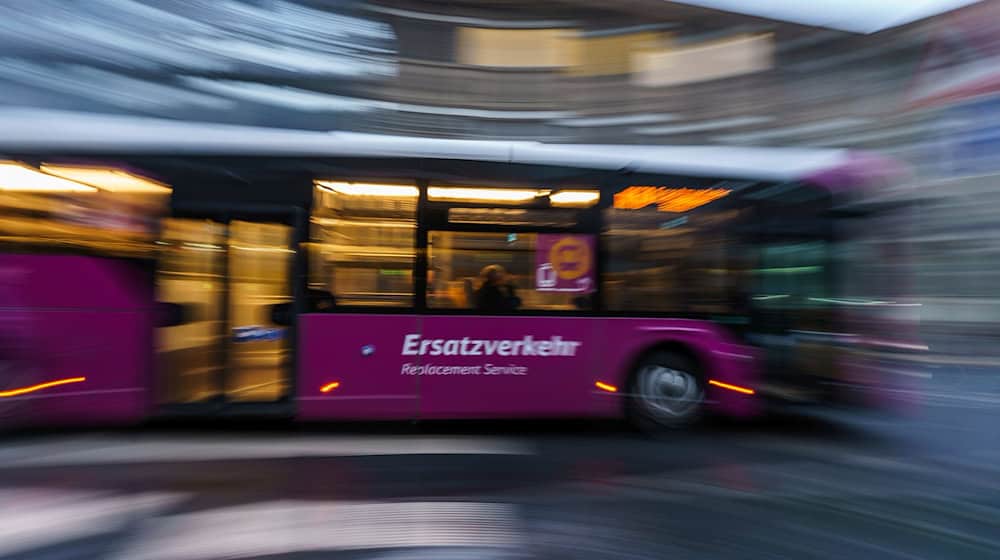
941	398
32	518
156	450
283	527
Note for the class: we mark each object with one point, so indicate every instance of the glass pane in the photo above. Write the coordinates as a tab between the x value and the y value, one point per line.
363	240
671	262
260	260
191	274
513	217
464	265
792	275
109	223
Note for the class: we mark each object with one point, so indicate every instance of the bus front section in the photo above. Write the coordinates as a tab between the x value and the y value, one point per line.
824	296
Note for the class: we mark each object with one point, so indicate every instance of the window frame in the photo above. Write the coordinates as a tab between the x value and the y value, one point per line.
433	216
592	220
409	309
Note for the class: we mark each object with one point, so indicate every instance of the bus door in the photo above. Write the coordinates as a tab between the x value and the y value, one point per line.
227	272
791	317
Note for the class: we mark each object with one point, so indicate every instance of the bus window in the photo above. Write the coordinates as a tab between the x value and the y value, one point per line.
668	262
120	218
792	276
362	250
463	265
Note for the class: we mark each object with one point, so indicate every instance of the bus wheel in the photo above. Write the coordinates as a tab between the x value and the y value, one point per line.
665	391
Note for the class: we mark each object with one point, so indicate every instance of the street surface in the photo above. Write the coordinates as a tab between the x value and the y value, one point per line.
922	483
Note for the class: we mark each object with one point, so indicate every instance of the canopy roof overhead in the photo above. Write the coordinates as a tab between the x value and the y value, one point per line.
856	16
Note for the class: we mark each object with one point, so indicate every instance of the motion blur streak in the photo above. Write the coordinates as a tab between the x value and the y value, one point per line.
287	526
763	235
736	388
40	386
605	387
329	387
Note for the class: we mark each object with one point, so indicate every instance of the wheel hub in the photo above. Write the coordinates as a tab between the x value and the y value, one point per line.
669	392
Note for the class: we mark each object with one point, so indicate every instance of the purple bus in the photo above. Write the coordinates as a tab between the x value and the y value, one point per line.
153	269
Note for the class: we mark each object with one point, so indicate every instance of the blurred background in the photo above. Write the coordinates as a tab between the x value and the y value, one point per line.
914	81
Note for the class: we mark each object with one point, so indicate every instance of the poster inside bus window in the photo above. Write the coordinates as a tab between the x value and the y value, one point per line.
565	263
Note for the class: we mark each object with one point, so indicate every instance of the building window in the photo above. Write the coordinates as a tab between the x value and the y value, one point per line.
516	48
715	60
669	262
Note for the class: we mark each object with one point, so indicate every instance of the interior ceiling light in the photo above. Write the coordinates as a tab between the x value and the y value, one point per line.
575	197
369	189
112	180
17	177
483	194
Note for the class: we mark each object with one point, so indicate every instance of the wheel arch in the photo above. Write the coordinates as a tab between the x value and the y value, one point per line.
680	347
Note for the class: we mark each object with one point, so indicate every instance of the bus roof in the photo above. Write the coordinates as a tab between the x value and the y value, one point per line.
46	132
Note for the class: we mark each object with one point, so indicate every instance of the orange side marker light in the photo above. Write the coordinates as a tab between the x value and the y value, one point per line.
737	388
605	387
329	387
40	386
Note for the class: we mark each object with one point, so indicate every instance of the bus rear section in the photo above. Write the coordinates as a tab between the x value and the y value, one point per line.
77	294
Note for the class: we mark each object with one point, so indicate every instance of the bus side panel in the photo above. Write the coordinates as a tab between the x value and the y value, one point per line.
720	355
78	333
350	367
508	367
75	282
111	350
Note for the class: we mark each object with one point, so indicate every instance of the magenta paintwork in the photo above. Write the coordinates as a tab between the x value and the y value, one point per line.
365	354
71	316
330	349
719	354
549	385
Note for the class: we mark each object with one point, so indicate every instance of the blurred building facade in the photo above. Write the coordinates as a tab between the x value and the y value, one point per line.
647	72
953	103
633	71
637	71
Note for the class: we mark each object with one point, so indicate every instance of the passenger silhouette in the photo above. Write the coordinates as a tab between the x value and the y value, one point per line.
496	295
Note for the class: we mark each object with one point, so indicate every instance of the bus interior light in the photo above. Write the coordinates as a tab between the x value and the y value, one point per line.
575	198
329	387
111	180
369	189
483	194
606	387
16	177
674	200
730	387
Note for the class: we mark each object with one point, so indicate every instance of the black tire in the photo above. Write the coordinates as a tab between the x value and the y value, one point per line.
666	391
